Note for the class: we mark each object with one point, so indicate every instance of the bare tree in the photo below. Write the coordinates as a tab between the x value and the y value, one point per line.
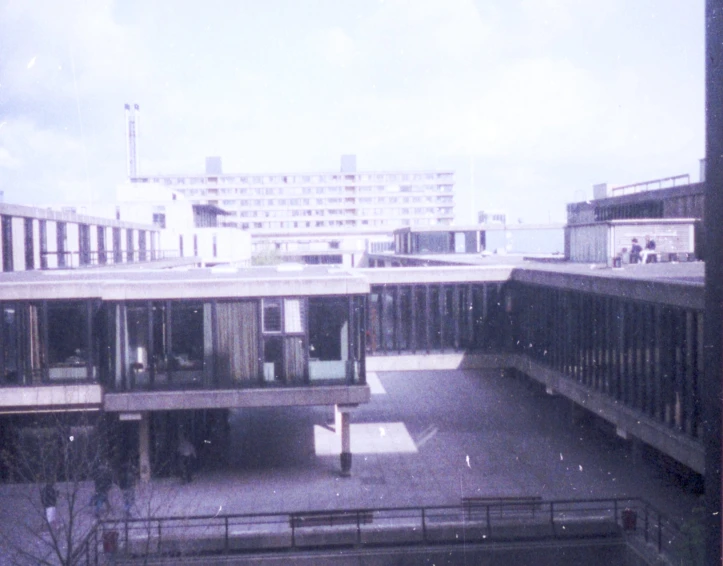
67	451
61	452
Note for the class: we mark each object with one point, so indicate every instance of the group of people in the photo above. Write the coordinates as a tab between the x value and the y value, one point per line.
637	253
103	480
100	501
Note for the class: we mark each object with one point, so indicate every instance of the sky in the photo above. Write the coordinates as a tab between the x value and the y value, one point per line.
530	102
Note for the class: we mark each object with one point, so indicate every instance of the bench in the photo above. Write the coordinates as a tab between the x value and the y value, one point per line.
472	505
331	519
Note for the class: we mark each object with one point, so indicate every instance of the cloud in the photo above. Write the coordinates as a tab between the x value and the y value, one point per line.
337	47
537	85
7	161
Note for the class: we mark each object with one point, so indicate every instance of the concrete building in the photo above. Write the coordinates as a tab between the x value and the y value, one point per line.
328	217
183	229
338	201
146	343
148	357
670	210
37	238
161	348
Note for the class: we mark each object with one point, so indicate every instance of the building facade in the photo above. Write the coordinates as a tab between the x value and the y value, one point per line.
339	201
36	238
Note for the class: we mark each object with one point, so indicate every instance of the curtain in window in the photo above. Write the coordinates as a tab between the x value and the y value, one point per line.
292	316
237	342
35	344
294	358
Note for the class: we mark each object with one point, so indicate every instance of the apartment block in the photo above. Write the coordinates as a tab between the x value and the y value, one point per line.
269	203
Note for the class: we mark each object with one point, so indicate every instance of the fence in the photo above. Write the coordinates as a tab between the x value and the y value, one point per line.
72	260
663	183
528	519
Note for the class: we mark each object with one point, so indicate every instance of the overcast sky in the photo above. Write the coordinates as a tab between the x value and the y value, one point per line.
540	98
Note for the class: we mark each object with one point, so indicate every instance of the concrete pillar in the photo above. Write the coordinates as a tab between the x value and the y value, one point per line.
337	420
144	444
345	444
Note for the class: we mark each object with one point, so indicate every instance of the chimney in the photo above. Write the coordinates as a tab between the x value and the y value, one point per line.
132	119
213	166
348	163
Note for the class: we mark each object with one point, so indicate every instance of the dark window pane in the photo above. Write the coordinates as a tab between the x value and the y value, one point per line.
272	315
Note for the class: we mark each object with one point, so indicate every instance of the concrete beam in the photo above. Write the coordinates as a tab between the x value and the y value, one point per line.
673	293
669	441
139	401
422	275
51	397
136	284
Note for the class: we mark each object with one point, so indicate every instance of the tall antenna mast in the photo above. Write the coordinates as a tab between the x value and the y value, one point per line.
132	119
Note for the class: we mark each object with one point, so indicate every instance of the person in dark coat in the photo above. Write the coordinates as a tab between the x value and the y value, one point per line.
127	484
648	253
187	452
635	251
103	480
49	500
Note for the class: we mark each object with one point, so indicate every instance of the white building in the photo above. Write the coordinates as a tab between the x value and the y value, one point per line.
267	203
184	229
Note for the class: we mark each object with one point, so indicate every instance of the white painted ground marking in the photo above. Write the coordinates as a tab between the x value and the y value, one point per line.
375	385
427	435
365	439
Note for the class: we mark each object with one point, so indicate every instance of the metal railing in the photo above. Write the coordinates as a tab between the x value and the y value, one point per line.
665	182
509	520
73	260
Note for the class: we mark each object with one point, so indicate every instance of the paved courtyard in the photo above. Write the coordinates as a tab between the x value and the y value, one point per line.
426	438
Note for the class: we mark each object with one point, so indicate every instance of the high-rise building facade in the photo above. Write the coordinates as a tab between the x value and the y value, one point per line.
335	201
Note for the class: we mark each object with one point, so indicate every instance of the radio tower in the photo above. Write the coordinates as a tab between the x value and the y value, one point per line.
132	117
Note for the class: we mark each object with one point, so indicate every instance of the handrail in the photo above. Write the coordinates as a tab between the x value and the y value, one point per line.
400	525
645	184
75	259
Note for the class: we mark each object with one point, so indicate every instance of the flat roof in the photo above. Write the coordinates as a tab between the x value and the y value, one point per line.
482	227
286	280
41	213
680	284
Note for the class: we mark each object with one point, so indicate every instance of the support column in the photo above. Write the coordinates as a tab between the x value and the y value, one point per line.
337	420
344	425
144	443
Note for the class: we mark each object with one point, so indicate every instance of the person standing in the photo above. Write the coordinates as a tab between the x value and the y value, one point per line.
648	251
103	481
187	452
49	500
127	482
635	251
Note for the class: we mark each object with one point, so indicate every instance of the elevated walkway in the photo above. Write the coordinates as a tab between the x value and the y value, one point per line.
629	423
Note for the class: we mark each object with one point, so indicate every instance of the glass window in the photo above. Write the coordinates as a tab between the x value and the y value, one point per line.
187	336
10	335
292	316
68	348
328	337
272	315
138	349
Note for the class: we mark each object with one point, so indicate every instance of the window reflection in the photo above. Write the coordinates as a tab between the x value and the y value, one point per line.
68	347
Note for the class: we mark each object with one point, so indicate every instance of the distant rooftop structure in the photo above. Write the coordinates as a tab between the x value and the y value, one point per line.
602	190
348	163
301	202
337	201
213	166
492	217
